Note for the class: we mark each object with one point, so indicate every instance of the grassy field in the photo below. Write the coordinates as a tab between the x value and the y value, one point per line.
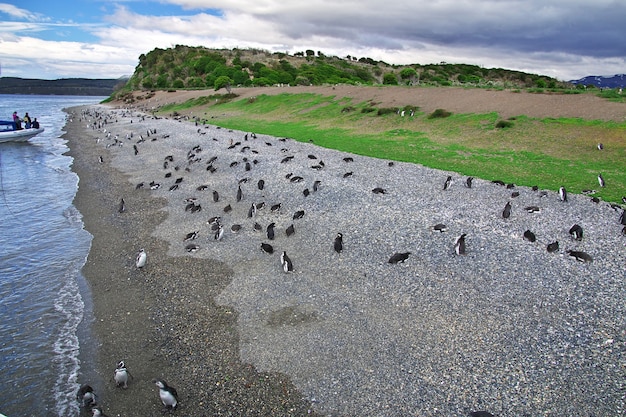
543	152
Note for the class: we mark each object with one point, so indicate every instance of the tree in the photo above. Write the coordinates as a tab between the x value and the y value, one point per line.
390	79
223	81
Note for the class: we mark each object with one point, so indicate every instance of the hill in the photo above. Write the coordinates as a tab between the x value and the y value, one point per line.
200	68
600	81
65	86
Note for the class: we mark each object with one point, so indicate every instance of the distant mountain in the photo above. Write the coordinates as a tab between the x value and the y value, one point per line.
601	81
64	86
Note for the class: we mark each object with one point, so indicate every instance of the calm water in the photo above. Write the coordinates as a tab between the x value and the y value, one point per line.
43	246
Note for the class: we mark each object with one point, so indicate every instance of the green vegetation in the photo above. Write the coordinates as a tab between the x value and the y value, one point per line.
544	152
185	67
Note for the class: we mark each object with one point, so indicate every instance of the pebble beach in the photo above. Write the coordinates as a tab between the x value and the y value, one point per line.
507	327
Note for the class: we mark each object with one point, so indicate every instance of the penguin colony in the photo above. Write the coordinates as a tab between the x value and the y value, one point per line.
221	187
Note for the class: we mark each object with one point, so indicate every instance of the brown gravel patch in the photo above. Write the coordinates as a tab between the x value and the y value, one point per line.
506	103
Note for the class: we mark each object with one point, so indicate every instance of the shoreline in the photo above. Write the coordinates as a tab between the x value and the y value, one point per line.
237	336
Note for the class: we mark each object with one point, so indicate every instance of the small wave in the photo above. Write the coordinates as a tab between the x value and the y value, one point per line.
70	307
74	217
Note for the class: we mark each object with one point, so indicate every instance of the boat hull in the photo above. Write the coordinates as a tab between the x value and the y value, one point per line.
19	135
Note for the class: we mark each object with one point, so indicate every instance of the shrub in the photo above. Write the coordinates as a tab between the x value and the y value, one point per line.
387	110
504	124
439	114
347	109
368	109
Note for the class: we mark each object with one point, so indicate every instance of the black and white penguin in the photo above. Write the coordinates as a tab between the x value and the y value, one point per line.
168	395
219	233
316	185
448	182
275	208
399	257
86	396
235	228
601	180
252	210
286	262
97	412
600	146
261	184
270	231
216	196
338	243
267	248
622	218
553	247
192	247
563	194
532	209
379	190
141	258
239	194
459	245
440	227
529	236
290	230
121	375
191	236
481	413
576	231
298	214
506	213
121	208
468	182
580	256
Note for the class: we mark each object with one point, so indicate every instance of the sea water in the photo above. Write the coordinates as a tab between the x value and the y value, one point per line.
43	246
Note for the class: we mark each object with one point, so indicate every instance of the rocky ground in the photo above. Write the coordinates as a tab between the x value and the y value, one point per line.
508	327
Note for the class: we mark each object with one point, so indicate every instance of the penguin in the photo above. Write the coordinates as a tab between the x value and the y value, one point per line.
286	262
121	375
219	233
275	208
122	206
553	247
600	146
86	396
228	208
235	228
440	227
216	196
580	256
529	236
601	180
100	159
168	395
563	193
622	218
306	192
141	258
202	187
459	245
506	213
261	185
252	210
468	182
192	247
379	190
316	185
399	257
298	214
290	230
239	194
191	236
577	232
532	209
481	413
338	243
97	412
448	182
267	248
347	174
270	231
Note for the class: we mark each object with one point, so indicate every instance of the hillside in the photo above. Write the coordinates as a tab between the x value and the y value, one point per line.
65	86
615	81
201	68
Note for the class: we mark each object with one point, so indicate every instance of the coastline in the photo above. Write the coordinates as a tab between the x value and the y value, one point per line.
219	331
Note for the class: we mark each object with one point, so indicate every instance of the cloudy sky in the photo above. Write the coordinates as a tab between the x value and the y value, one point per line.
566	39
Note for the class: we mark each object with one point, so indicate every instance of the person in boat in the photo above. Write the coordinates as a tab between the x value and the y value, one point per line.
17	121
27	122
35	124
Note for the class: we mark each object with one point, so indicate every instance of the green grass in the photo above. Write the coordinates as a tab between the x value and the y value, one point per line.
544	152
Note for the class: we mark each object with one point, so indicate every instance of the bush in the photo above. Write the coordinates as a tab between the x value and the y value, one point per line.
347	109
368	109
387	110
504	124
439	114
